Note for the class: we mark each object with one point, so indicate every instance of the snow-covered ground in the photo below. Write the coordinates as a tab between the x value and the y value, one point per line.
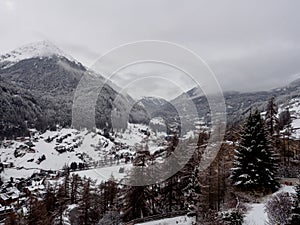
15	173
103	174
180	220
256	214
65	146
54	160
133	136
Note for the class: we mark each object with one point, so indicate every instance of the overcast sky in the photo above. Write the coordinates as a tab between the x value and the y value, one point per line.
250	45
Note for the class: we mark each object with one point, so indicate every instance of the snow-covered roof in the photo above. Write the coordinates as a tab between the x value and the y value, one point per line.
38	187
5	208
4	197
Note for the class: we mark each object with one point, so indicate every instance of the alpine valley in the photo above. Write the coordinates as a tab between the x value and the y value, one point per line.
44	157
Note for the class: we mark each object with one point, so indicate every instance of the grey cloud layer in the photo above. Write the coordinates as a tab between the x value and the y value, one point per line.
251	45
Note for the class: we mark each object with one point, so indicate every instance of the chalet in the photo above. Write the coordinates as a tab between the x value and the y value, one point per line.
11	195
37	188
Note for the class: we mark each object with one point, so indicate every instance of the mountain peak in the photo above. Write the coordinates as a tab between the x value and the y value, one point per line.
39	49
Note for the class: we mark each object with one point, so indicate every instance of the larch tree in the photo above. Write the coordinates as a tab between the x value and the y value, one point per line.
136	199
271	119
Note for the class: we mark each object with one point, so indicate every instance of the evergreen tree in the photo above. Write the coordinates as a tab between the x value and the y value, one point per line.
255	162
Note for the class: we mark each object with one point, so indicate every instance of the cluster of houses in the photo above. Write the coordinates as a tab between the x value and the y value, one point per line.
15	194
69	147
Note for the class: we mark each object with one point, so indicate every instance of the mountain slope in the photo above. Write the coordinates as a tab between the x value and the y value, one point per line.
157	108
52	77
18	110
238	104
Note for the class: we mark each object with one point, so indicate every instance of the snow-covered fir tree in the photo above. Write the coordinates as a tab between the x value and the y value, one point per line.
255	163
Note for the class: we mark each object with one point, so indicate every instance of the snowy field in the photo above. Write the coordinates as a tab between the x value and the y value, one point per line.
103	174
180	220
62	147
15	173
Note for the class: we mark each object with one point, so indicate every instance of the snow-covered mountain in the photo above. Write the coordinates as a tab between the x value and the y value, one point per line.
238	104
152	105
42	49
51	77
41	67
161	110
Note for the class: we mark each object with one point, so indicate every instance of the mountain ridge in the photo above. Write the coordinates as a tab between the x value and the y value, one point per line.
51	80
40	49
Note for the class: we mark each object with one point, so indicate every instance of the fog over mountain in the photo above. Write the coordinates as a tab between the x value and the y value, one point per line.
39	82
250	46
